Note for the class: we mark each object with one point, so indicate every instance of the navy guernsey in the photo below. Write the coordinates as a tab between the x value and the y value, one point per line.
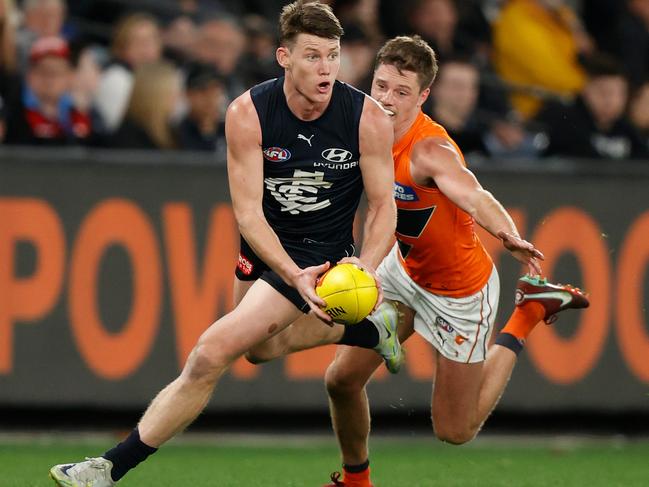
312	179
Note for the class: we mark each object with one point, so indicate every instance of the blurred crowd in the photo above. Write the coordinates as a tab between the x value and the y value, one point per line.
518	78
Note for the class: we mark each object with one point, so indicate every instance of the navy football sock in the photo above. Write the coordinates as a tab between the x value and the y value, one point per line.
128	454
363	334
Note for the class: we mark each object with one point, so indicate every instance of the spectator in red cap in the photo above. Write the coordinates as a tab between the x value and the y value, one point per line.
44	113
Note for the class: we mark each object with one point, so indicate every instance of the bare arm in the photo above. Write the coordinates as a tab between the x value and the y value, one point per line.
376	137
245	176
436	158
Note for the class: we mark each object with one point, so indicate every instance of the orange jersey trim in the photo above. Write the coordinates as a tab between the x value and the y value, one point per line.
438	246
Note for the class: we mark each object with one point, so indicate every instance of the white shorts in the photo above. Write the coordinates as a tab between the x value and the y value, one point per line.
459	328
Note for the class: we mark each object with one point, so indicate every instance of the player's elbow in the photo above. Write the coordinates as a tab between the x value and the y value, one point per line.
247	220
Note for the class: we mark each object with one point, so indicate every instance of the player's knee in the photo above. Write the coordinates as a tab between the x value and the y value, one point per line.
339	382
205	363
453	434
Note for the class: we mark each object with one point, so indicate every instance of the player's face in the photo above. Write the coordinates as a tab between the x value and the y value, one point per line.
606	97
312	65
399	93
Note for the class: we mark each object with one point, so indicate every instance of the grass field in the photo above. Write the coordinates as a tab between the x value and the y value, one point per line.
284	462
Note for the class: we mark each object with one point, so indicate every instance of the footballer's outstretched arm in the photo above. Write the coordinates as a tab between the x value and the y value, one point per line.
436	158
376	135
245	176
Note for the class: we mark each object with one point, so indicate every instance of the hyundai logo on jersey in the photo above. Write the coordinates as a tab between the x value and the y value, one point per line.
277	154
337	155
404	193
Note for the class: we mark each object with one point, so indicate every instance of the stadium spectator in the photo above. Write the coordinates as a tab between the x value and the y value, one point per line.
202	128
436	21
356	57
147	123
136	41
258	63
44	113
41	18
537	44
8	18
639	112
85	83
594	125
633	41
439	22
454	100
601	19
476	129
363	13
392	18
178	38
8	65
221	42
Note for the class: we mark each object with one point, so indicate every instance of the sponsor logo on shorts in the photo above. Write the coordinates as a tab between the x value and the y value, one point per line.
244	265
446	326
277	154
404	193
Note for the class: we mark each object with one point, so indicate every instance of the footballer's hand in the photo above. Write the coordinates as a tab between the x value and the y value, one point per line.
305	281
523	251
367	268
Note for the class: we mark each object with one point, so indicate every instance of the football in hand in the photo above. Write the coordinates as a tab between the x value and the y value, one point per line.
349	291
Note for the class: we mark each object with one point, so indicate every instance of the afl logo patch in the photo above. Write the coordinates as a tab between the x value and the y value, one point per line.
337	155
277	154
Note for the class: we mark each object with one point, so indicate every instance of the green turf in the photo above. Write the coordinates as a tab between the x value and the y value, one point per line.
396	463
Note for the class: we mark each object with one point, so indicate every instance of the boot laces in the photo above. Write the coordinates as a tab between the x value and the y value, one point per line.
335	478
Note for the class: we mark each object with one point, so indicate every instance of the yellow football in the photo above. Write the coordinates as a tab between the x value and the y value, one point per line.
349	291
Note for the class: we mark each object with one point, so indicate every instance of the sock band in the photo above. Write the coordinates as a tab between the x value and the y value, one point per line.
128	454
357	468
508	340
363	334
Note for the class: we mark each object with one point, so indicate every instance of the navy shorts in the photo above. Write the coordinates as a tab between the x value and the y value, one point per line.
305	254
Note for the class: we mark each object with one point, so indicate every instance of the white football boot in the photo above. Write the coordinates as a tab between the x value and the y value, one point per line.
386	319
94	472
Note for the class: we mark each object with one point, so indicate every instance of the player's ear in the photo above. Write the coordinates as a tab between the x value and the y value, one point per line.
423	96
283	56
